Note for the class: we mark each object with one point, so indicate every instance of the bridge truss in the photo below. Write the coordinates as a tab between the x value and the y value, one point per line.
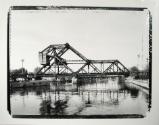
53	63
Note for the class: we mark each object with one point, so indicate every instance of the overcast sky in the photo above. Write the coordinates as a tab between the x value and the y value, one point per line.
97	34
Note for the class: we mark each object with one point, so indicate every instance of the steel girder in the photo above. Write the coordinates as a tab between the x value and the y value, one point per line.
55	52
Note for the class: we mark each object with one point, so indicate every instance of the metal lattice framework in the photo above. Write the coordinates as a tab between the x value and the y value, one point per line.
53	63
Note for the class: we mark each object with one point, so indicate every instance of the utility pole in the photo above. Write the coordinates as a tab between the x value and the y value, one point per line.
22	65
138	59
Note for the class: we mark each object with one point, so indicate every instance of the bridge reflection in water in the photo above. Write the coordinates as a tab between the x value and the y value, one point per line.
106	96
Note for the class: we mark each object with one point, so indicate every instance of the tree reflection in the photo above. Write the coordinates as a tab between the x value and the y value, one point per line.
59	108
45	107
134	93
56	107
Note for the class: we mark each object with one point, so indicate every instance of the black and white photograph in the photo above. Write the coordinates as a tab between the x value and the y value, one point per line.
79	62
91	62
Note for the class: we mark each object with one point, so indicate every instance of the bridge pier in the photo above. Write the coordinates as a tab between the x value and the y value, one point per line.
121	79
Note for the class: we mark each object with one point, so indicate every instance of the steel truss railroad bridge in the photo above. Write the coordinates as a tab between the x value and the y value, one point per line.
53	64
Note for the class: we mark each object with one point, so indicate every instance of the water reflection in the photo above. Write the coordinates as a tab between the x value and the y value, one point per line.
89	97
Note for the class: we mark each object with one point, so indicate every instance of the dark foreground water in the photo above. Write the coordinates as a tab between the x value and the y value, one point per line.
108	96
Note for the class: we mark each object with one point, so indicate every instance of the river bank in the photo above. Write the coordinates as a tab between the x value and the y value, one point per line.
142	83
29	83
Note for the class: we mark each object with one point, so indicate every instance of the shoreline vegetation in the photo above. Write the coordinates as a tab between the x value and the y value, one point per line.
36	83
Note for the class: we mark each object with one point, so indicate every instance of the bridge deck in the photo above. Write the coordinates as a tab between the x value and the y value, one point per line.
85	74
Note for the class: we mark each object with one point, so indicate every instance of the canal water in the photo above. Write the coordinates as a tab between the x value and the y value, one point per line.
100	96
